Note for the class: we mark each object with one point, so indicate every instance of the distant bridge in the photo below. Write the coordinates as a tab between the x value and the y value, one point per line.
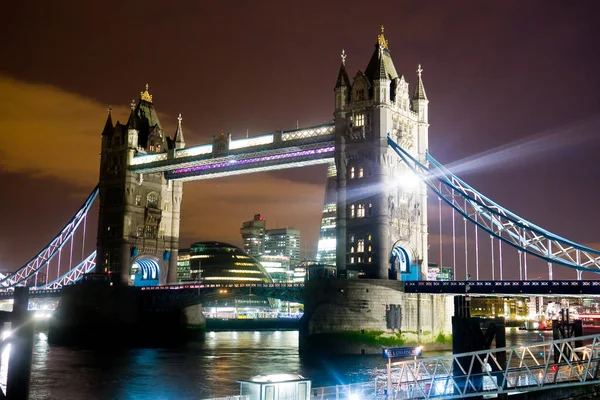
512	288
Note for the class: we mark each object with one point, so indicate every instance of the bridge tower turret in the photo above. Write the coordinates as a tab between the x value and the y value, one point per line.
381	227
138	225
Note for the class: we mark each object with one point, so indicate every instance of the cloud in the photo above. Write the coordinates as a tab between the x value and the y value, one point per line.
49	132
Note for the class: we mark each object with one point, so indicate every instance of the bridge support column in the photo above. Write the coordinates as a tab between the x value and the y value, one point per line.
359	316
19	363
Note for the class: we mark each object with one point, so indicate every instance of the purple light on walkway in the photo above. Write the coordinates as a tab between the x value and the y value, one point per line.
255	160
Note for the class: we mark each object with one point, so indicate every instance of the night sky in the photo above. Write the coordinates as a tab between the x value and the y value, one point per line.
513	86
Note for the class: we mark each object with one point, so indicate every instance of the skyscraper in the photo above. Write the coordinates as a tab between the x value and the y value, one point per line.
253	234
283	242
327	243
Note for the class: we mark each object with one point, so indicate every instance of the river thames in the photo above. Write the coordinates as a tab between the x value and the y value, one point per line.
197	370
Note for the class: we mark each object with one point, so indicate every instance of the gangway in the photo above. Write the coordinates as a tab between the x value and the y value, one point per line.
546	365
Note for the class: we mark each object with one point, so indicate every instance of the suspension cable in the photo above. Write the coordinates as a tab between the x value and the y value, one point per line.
466	247
453	239
476	250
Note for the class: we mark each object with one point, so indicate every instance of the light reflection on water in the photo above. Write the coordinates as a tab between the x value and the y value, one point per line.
197	370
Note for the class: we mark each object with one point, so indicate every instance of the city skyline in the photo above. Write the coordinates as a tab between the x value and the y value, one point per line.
480	99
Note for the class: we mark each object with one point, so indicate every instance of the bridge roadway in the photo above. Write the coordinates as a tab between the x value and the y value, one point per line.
293	291
195	291
501	288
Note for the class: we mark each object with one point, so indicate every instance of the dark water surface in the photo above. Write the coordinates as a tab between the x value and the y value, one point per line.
197	370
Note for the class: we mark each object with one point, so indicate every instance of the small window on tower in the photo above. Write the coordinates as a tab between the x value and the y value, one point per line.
361	246
351	260
351	239
370	249
370	259
361	211
359	120
370	210
361	172
138	200
369	237
352	173
352	211
351	249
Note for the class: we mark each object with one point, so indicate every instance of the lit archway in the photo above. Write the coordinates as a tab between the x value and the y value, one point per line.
145	272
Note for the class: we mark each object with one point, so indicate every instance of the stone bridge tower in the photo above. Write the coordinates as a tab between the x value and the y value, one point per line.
138	225
381	206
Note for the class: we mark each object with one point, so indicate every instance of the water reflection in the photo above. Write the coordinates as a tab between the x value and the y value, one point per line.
197	370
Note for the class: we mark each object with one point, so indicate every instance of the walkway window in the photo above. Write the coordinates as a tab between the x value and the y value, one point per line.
361	211
351	172
352	211
361	246
361	172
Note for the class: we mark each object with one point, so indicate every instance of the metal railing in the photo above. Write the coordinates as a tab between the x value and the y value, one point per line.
539	366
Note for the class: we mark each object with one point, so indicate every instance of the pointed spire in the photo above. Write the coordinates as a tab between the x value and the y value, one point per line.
420	89
342	79
179	131
108	127
381	65
132	123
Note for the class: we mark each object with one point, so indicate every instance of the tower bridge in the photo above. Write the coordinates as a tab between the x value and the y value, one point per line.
380	176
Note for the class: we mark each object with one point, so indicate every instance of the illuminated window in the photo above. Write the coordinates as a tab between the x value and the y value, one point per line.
370	248
151	147
359	120
360	259
138	200
361	211
352	211
166	207
351	260
361	246
351	239
361	172
369	259
152	200
352	249
369	237
370	210
352	173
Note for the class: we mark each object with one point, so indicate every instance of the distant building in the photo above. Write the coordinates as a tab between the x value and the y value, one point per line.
183	265
437	273
283	242
326	249
216	262
253	234
278	267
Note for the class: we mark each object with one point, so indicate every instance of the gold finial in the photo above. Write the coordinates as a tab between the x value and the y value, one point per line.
109	110
419	70
343	57
146	96
383	43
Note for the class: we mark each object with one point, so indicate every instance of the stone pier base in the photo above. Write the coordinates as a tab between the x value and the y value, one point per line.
363	316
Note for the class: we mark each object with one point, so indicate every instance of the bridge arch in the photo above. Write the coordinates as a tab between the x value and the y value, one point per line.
147	270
